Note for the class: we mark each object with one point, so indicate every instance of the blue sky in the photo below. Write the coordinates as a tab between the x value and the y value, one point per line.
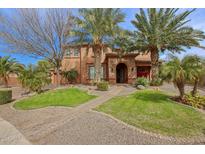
197	21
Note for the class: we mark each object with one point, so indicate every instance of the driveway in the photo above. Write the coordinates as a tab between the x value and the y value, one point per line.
80	125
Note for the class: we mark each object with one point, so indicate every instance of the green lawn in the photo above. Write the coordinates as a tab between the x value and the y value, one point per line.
63	97
154	111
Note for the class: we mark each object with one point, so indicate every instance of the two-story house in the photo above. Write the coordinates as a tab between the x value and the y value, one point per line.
115	69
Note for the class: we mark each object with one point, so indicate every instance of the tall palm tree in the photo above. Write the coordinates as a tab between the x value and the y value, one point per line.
97	27
7	66
158	30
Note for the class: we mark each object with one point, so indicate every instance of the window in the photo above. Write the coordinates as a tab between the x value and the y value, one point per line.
76	52
102	73
91	72
68	52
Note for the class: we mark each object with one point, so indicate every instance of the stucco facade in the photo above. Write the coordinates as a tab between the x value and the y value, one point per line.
115	69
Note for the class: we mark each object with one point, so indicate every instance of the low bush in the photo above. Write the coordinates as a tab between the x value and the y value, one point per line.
103	86
156	82
5	96
71	76
195	101
142	81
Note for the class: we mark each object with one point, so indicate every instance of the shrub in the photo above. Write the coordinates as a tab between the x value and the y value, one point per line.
71	75
33	78
156	82
103	86
195	101
142	81
5	96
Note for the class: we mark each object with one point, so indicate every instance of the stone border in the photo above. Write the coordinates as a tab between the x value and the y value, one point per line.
193	140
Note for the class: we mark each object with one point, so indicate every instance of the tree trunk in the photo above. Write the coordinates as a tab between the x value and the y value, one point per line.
97	53
6	82
180	87
57	76
194	91
154	64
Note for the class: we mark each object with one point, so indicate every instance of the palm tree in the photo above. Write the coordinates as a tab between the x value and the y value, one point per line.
34	78
97	27
7	66
195	74
164	29
181	71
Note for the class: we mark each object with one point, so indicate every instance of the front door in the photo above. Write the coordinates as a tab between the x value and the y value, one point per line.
121	73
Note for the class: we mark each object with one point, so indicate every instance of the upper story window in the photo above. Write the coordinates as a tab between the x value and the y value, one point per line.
76	52
72	52
68	52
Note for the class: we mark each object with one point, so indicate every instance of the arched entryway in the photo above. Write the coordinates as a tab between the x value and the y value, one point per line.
121	73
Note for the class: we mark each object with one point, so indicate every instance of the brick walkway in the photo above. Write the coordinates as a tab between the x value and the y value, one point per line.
10	135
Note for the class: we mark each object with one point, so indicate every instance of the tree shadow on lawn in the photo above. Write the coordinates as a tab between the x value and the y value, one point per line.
152	96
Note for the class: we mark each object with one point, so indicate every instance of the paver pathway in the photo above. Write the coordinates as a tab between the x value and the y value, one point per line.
10	135
79	125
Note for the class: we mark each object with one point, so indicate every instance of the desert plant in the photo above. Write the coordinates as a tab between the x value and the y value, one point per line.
71	75
5	96
159	30
142	81
196	101
103	85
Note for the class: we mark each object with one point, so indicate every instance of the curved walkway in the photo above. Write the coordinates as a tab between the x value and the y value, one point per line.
10	135
80	125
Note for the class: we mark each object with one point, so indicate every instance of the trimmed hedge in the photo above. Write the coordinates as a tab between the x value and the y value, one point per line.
103	86
5	96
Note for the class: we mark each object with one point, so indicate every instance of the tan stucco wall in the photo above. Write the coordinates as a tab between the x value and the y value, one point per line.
86	59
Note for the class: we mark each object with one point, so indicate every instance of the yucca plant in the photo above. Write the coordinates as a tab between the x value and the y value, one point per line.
8	65
97	27
159	30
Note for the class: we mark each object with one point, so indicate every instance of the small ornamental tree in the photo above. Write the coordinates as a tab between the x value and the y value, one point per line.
7	66
181	71
33	78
